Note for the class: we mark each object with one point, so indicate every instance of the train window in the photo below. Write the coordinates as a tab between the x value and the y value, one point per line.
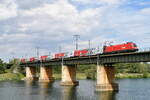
135	45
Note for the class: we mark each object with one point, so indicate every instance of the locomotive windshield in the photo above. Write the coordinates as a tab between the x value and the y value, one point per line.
135	45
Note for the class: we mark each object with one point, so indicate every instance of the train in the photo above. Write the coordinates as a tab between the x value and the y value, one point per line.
120	48
111	49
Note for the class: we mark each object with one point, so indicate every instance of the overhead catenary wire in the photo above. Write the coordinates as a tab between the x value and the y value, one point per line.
76	37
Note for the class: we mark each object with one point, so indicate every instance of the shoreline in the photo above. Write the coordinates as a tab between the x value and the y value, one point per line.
132	75
80	76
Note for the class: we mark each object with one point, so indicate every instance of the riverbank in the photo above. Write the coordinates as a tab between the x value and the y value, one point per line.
11	76
80	76
132	75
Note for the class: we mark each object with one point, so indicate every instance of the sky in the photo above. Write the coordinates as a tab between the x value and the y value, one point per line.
49	24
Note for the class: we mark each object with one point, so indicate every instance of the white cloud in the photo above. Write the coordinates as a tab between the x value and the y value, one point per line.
107	2
8	9
61	17
145	11
57	9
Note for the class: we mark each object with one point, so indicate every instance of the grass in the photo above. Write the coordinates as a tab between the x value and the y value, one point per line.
57	76
81	76
10	76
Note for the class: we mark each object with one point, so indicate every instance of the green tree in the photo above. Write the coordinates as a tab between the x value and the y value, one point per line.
57	69
15	68
89	70
2	66
132	68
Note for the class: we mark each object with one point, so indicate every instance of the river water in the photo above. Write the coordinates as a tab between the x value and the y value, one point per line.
130	89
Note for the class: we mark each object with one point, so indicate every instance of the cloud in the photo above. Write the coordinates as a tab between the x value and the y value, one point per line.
61	18
28	4
8	9
102	2
145	11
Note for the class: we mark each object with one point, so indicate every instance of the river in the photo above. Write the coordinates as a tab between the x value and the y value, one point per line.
130	89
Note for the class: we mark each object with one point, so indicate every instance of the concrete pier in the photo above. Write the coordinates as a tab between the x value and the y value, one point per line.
30	73
46	74
69	75
105	78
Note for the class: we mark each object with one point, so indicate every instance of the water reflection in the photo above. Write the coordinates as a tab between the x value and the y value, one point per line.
69	93
45	90
106	95
29	89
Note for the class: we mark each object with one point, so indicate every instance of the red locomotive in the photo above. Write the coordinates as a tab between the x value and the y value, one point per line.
83	52
120	48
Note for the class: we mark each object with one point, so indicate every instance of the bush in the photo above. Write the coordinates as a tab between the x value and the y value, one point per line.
90	74
145	75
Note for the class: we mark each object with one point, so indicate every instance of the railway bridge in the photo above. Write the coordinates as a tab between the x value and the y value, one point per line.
105	68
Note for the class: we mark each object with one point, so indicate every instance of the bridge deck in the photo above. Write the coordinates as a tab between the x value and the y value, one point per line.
94	59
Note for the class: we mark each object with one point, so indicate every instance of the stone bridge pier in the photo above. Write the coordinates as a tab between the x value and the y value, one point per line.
69	75
46	74
105	78
30	73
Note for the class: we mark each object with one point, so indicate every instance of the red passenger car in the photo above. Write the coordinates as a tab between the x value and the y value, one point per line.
126	47
43	58
23	60
83	52
59	55
32	59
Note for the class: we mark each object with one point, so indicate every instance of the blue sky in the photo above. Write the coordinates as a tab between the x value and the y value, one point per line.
27	24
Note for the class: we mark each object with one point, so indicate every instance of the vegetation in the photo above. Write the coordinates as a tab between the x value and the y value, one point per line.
88	70
13	72
15	68
2	66
11	76
133	68
127	70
